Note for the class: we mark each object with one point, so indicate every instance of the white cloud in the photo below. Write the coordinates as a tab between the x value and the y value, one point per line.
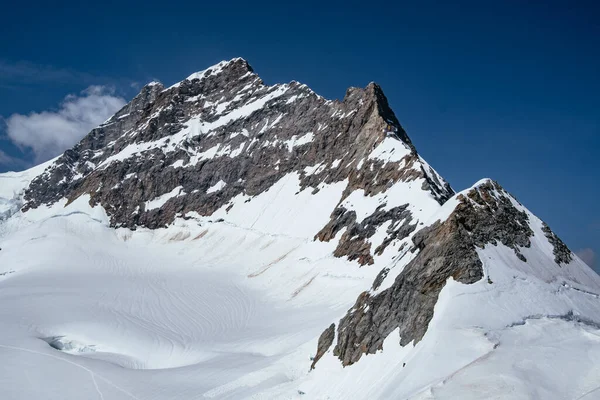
49	133
588	256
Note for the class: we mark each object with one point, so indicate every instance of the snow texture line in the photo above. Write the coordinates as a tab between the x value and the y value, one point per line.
92	373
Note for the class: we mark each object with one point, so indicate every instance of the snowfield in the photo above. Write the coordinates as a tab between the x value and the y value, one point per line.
231	307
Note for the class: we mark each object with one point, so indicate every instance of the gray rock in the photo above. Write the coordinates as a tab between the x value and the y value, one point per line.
562	254
354	243
325	342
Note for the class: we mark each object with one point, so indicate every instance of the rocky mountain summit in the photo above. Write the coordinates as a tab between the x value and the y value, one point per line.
213	143
222	133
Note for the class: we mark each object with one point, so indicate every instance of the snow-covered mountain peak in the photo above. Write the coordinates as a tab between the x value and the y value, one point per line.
232	67
216	227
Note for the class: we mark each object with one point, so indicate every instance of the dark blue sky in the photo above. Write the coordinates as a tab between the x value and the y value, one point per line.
508	90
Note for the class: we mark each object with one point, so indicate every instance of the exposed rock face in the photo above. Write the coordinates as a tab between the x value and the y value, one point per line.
446	249
562	254
497	219
325	342
353	242
224	125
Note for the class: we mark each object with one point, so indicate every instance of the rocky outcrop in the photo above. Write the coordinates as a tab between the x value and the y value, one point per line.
354	242
562	254
445	249
496	219
325	342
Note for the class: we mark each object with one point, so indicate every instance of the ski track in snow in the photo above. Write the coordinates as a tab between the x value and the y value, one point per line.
92	373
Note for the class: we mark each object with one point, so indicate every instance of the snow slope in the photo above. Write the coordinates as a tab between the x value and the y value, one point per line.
207	309
12	185
192	311
141	320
